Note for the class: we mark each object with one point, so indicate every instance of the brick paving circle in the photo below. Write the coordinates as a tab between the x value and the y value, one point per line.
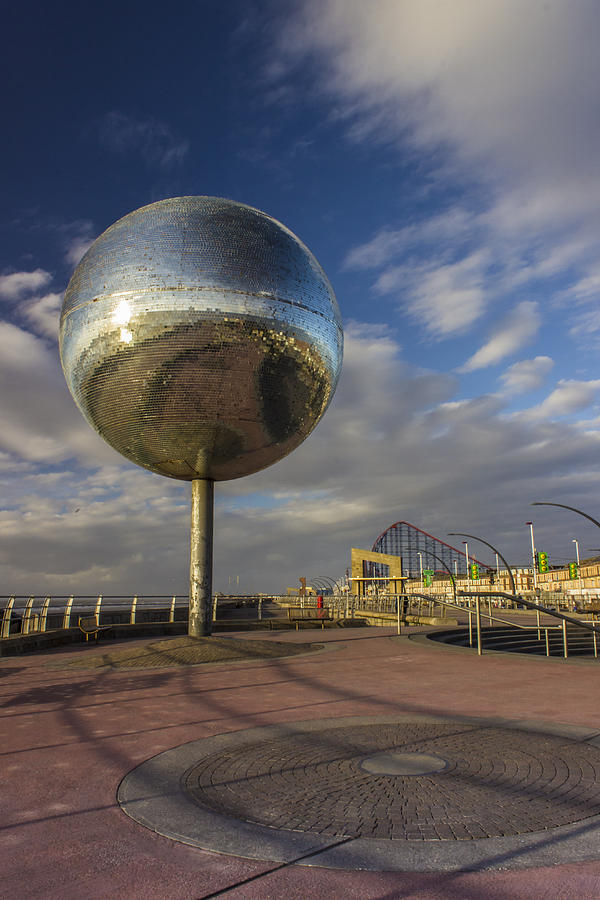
496	782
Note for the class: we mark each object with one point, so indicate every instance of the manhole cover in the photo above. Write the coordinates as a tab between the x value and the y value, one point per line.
402	764
405	780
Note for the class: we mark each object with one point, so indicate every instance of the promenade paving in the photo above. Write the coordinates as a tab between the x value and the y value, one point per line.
72	736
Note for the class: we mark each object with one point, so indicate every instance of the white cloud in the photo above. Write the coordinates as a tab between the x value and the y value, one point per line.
500	96
499	81
39	422
44	314
527	375
19	284
518	328
448	299
394	445
79	238
388	243
570	396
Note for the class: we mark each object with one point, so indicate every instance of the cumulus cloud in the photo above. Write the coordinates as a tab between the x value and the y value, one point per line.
152	139
43	313
448	299
18	284
388	243
527	375
497	81
39	422
394	445
518	328
501	94
79	237
569	396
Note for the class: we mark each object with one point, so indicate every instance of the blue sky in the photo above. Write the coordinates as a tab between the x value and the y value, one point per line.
441	161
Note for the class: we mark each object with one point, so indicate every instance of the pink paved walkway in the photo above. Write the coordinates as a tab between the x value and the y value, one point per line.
70	736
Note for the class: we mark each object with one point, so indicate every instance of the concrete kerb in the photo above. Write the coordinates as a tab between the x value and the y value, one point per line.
154	795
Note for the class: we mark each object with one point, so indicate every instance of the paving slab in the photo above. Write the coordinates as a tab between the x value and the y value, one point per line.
71	737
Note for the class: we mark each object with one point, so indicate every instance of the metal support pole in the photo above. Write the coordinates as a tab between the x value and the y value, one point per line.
547	644
98	606
470	628
201	551
132	612
478	615
398	611
565	647
595	645
537	615
172	611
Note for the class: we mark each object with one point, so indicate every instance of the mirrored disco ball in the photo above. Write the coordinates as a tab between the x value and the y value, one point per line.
201	338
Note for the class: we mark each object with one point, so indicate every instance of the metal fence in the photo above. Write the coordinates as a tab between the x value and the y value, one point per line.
33	614
29	614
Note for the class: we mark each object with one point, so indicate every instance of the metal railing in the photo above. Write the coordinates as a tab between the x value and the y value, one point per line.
401	605
28	615
21	614
584	624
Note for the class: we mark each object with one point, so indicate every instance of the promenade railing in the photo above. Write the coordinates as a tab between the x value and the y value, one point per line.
28	614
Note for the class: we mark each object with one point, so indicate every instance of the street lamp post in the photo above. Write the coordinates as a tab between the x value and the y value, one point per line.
533	555
468	573
575	510
494	550
576	542
420	555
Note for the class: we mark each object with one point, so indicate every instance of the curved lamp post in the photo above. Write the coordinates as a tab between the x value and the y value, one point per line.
440	560
487	544
572	508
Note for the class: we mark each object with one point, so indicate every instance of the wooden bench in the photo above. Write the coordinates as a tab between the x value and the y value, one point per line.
299	614
89	625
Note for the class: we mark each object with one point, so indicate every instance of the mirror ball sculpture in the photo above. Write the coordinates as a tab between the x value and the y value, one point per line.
203	341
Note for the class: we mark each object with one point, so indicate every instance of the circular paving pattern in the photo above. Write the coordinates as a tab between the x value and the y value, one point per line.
496	781
392	793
